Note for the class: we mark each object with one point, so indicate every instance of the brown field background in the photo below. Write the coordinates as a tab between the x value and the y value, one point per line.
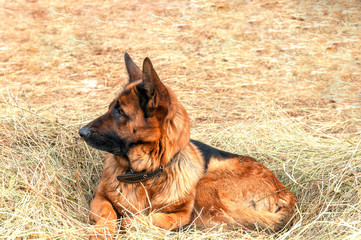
277	80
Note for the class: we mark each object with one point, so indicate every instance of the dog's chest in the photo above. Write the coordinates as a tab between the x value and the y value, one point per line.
129	199
138	198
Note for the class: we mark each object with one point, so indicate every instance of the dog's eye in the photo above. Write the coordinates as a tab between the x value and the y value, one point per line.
118	111
121	112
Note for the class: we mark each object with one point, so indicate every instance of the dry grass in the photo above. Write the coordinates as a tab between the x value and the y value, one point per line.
279	81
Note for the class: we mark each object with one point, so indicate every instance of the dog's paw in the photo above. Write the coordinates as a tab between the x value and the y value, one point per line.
136	222
127	224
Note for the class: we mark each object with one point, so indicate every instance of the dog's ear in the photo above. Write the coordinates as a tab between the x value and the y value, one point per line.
134	71
155	90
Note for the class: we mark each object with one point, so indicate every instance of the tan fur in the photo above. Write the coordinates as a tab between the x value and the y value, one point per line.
237	191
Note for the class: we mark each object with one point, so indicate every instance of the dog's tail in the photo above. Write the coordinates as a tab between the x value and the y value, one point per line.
271	219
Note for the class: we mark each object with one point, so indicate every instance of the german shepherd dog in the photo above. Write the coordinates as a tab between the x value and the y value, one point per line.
154	173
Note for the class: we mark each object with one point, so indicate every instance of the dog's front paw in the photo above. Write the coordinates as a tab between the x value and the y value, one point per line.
127	224
133	223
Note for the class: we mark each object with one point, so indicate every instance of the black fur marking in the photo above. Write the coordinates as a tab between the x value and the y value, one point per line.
208	152
105	140
253	205
278	208
108	141
132	144
143	100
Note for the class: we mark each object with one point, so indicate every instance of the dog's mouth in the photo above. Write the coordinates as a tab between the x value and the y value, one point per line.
108	142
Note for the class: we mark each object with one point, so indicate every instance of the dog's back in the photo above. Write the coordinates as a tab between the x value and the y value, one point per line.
240	191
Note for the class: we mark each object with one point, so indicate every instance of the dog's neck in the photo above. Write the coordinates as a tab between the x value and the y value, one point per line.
132	176
176	136
177	127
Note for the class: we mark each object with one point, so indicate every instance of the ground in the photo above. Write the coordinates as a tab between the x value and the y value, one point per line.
277	80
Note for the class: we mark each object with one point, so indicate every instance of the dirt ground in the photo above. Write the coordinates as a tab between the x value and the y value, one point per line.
229	62
303	56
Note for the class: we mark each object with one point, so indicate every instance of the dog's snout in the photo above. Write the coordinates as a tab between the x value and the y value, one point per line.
84	132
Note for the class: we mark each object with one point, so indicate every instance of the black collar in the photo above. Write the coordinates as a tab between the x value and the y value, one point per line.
136	177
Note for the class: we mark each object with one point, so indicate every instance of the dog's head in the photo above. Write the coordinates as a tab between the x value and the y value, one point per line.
145	119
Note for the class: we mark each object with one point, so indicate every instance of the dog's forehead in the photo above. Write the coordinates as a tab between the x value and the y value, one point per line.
128	95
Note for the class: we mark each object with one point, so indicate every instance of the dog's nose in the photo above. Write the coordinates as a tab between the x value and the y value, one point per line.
84	132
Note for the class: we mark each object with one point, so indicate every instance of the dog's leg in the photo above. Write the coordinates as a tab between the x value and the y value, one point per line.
167	221
104	216
170	221
176	216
